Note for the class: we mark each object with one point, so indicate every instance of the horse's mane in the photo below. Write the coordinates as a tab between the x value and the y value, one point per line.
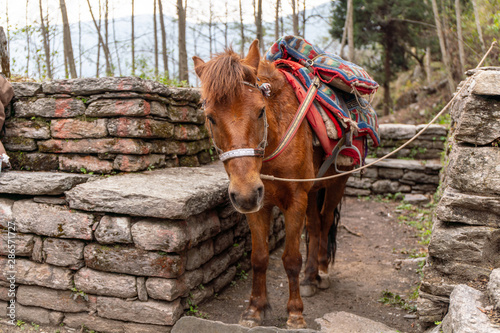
222	77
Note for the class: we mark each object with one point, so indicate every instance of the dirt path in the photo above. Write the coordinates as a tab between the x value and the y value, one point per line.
365	267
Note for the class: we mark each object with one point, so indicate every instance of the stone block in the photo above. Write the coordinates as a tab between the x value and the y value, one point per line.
39	183
26	89
189	161
76	320
419	177
464	243
184	114
50	108
206	157
343	322
197	256
142	293
241	229
22	244
416	199
140	128
32	273
105	284
485	83
19	144
36	254
118	107
237	250
63	252
197	296
359	183
397	131
192	95
193	324
4	294
482	210
171	289
58	300
395	163
78	128
224	279
190	132
133	261
170	193
430	311
215	267
33	161
38	315
5	210
474	169
33	129
349	191
150	312
223	241
385	186
95	146
53	221
434	130
84	164
114	229
49	200
180	147
494	288
390	173
132	163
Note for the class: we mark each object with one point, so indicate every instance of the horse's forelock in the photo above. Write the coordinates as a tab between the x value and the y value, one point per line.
222	76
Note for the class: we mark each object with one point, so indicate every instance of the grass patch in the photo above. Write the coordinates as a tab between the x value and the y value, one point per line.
392	299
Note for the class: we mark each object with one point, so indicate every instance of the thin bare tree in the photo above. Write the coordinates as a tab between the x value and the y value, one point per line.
109	61
295	17
428	68
68	47
444	53
98	60
46	42
101	41
461	52
304	20
4	54
478	25
155	28
277	20
258	23
183	64
28	29
163	40
242	31
132	41
79	41
350	32
115	42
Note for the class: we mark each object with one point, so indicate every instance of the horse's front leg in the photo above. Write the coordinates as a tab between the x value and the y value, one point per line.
259	227
292	259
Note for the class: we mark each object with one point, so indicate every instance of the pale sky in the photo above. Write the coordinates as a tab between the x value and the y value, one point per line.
78	9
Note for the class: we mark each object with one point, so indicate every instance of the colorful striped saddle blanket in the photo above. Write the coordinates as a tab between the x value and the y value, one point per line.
327	117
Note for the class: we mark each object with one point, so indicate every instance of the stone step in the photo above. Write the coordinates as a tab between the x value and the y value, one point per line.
344	322
170	193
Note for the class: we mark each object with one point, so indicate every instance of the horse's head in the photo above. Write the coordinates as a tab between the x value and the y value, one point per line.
236	119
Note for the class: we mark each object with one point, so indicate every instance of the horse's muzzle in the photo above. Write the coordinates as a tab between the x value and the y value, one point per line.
249	201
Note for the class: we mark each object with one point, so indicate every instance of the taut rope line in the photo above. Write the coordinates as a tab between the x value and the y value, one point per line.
270	177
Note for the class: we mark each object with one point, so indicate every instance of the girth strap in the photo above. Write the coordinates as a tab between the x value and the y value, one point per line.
297	120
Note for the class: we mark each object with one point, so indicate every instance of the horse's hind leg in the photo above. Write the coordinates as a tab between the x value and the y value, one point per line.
309	285
259	227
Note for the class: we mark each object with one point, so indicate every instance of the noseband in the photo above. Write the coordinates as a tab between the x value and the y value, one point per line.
265	88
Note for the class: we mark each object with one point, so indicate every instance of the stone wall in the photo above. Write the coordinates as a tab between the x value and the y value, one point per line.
125	253
413	170
465	243
105	125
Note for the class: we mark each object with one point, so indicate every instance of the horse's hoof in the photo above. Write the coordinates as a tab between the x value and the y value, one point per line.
249	323
308	290
295	322
324	281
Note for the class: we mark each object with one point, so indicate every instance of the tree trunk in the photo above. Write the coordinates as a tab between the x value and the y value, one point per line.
104	46
387	73
46	45
277	21
350	32
461	52
97	63
155	28
68	47
132	41
226	25
478	25
258	24
295	18
4	54
346	27
28	29
163	41
446	62
428	68
210	28
183	64
242	32
109	63
304	18
79	41
116	45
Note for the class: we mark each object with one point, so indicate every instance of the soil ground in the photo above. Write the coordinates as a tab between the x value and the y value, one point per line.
365	267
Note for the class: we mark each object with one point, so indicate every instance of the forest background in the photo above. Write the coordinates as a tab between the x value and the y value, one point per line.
417	50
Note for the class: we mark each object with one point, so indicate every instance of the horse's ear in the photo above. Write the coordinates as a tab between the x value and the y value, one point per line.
198	65
253	57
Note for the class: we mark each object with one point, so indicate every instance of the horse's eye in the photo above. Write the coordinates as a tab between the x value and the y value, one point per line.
212	121
262	112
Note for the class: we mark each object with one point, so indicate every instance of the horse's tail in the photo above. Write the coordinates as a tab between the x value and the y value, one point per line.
332	235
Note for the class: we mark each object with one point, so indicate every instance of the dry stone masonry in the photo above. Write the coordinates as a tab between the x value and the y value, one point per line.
465	243
411	171
105	125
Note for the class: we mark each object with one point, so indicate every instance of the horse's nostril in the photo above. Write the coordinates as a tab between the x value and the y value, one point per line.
232	195
260	191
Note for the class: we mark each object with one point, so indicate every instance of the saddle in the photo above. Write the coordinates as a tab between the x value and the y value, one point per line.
339	113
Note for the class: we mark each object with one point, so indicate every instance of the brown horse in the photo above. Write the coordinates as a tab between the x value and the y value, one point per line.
240	118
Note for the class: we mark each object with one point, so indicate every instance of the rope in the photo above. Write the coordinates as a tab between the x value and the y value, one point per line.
270	177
